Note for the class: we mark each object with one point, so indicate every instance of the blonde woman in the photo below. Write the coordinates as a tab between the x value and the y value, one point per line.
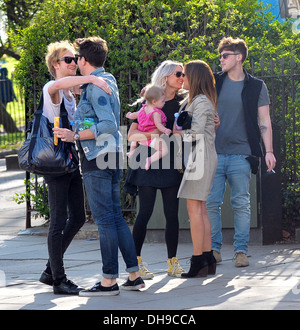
169	76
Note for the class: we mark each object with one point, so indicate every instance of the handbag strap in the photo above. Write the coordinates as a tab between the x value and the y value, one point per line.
38	116
64	115
36	125
183	106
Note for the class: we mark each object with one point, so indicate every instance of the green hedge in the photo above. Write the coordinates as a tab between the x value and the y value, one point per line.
141	34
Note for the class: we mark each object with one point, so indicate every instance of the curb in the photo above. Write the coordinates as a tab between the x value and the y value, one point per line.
5	153
87	232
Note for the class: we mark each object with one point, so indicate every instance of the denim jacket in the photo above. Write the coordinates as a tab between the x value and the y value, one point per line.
105	110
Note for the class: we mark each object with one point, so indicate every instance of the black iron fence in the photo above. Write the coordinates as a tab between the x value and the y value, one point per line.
283	81
12	113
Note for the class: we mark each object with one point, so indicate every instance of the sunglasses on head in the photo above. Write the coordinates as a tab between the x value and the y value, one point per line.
68	59
179	74
225	55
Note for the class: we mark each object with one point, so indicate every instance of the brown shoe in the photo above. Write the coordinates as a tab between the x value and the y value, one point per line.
241	260
217	256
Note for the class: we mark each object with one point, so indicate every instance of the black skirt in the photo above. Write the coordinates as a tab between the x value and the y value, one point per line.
162	173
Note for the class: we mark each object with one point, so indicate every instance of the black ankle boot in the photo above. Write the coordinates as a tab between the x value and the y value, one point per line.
198	268
211	261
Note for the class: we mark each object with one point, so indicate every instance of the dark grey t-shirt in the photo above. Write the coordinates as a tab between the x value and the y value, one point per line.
231	136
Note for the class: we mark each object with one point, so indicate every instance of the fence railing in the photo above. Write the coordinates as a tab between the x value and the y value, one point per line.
12	114
283	81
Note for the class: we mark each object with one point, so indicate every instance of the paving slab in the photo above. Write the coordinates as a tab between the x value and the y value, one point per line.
272	281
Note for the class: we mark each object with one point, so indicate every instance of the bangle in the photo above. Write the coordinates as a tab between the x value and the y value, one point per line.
269	152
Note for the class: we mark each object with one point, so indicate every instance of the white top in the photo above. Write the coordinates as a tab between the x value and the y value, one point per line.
52	110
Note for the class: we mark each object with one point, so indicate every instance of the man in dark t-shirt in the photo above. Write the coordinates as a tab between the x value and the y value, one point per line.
243	108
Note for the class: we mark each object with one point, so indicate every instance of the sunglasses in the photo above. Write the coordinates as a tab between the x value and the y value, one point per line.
225	55
77	56
179	74
68	59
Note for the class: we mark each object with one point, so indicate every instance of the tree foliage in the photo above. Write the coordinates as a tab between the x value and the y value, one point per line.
19	12
142	33
17	15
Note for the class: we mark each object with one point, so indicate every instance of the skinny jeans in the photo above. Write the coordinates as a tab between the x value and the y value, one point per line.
67	216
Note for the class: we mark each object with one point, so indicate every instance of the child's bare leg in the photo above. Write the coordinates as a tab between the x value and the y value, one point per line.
133	146
161	150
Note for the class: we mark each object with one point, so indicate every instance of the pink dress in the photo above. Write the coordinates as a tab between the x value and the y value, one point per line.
146	122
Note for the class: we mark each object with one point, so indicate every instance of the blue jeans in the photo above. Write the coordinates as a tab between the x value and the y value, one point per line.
235	169
103	194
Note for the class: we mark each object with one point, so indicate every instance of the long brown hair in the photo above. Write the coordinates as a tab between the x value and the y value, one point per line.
201	81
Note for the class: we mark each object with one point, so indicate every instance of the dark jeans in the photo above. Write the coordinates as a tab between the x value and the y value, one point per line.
67	216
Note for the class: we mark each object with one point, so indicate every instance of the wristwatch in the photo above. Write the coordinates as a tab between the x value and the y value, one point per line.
76	136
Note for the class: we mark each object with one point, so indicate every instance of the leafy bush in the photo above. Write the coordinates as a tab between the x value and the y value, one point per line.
141	34
291	207
38	195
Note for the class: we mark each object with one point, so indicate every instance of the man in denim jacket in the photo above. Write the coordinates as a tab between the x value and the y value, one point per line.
101	151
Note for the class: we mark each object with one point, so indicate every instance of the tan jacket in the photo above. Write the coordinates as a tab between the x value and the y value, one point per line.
202	162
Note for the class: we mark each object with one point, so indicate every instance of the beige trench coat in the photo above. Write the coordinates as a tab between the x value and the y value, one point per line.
202	161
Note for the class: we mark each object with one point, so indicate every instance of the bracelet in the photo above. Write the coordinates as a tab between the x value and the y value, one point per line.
269	152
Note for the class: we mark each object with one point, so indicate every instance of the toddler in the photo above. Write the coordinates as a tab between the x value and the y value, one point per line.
150	117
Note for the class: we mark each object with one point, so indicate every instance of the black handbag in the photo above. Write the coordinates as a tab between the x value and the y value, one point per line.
184	120
39	155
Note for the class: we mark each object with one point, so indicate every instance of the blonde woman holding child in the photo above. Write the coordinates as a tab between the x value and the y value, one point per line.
151	117
168	75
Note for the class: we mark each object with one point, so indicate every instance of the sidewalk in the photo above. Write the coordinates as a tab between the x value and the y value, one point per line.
272	281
